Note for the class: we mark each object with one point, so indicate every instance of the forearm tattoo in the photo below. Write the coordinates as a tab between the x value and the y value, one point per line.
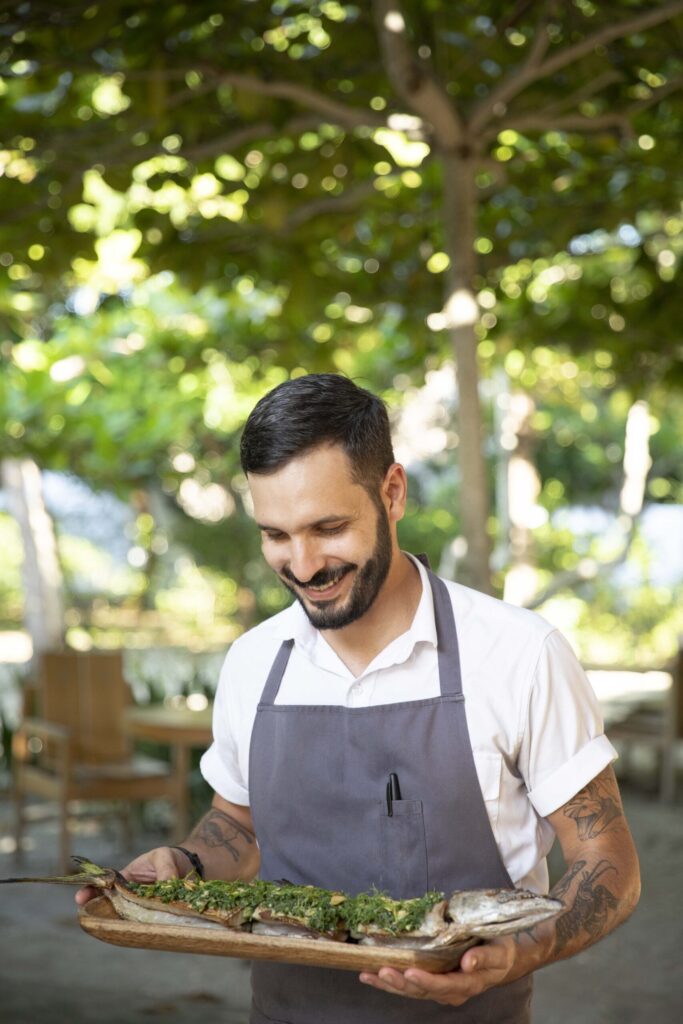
591	909
218	829
564	885
595	810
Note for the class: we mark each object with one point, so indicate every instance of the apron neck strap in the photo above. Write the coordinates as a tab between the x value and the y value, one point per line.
277	671
450	678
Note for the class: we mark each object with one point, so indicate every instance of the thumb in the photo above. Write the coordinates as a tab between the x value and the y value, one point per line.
471	960
84	895
165	864
156	866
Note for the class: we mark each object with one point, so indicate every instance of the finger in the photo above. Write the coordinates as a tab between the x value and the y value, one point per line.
452	986
453	989
394	982
86	894
140	874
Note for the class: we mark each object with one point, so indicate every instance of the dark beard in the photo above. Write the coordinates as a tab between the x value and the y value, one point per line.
366	586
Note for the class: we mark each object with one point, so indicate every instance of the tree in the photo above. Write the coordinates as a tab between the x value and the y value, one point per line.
42	582
270	147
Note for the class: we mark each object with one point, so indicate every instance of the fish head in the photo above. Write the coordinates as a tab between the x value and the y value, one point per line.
491	912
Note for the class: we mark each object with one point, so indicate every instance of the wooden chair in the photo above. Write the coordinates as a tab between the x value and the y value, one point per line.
74	747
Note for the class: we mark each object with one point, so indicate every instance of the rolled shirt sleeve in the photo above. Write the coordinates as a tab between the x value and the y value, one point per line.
563	740
220	765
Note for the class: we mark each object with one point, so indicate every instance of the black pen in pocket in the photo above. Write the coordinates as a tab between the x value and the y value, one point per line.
393	792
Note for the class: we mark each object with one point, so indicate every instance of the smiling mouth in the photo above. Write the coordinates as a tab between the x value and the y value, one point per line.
323	592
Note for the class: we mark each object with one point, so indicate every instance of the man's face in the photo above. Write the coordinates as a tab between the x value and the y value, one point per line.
324	536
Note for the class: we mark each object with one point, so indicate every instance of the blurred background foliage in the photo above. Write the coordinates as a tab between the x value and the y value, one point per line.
200	201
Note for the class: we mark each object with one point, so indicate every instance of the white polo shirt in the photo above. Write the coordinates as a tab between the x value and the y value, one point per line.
534	722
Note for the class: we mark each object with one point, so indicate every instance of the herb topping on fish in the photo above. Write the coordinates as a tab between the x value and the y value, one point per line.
377	912
301	910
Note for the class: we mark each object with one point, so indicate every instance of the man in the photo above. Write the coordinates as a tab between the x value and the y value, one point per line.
378	668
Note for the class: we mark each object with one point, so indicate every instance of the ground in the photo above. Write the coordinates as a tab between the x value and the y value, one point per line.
51	971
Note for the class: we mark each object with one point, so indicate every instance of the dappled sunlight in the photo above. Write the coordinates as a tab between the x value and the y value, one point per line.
181	234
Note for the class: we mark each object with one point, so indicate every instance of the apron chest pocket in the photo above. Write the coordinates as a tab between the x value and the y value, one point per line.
403	850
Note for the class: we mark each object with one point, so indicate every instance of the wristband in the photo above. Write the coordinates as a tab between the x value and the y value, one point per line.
193	858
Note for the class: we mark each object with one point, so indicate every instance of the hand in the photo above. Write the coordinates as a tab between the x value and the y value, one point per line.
481	968
154	866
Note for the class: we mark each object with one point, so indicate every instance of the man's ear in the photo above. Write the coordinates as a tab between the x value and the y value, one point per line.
395	491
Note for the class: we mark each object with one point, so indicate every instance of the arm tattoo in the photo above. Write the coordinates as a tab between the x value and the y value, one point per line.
562	887
529	932
591	909
220	829
593	809
559	890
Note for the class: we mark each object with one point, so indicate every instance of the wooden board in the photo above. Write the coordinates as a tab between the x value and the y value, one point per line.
99	919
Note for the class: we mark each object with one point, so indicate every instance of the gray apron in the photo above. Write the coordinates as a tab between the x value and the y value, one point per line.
317	782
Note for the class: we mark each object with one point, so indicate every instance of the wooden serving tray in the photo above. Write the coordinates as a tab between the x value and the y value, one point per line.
99	919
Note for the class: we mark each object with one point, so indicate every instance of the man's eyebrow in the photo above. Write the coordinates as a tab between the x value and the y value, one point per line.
325	521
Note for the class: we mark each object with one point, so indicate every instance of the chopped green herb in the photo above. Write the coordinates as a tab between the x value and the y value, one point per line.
394	916
201	896
320	909
316	908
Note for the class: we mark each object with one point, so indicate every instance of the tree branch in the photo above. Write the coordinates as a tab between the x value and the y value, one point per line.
584	93
328	205
250	133
331	109
334	110
412	79
568	123
527	74
545	120
587	569
539	47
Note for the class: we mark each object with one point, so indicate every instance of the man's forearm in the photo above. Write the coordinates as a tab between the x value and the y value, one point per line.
601	886
596	901
227	849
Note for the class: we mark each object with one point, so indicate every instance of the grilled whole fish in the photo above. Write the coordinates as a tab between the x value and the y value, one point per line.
276	908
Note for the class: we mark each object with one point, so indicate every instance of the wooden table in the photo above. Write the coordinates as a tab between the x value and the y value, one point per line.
181	729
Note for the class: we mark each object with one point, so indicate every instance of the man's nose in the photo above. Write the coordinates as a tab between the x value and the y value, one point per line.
305	560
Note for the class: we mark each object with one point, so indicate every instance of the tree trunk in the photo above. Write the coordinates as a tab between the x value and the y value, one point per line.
461	312
41	574
637	459
518	440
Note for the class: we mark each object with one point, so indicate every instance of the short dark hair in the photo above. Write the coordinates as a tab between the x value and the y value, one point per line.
317	409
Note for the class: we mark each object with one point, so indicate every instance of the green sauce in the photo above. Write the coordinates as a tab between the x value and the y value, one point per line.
393	916
319	909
